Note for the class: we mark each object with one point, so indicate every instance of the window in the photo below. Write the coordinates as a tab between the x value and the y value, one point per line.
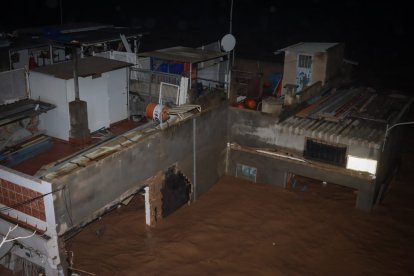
305	61
327	153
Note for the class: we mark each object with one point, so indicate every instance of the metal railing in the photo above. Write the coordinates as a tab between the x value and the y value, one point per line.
144	86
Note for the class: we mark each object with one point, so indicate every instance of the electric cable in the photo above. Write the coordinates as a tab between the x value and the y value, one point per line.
7	208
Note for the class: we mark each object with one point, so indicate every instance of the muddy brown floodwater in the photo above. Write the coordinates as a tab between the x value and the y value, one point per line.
244	228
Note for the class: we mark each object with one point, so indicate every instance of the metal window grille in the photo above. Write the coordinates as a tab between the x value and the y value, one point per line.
305	61
327	153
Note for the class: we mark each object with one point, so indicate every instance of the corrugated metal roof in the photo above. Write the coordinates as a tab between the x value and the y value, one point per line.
346	115
309	47
84	33
65	28
87	37
25	108
86	67
183	54
339	132
22	43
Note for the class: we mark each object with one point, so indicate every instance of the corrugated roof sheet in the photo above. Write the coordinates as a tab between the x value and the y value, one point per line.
347	114
41	30
86	67
60	35
183	54
309	47
347	130
87	37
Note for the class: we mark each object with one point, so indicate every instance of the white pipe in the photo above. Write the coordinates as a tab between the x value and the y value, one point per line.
389	128
400	124
402	112
147	207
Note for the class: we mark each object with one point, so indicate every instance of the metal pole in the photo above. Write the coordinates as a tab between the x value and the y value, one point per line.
194	160
228	76
128	77
51	53
75	73
10	61
191	77
231	16
61	12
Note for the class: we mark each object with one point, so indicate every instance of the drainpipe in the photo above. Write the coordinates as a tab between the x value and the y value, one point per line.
226	170
51	53
191	77
11	63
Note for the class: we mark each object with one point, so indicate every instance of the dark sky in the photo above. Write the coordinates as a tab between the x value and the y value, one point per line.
284	21
374	32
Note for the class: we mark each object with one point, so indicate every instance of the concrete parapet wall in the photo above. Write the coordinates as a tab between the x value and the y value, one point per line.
255	129
196	146
273	169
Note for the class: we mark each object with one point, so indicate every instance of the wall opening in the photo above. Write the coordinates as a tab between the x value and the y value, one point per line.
175	191
327	153
167	192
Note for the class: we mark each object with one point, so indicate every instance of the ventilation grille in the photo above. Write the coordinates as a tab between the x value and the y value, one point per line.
327	153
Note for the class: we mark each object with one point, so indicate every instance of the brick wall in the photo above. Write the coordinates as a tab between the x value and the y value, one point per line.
12	194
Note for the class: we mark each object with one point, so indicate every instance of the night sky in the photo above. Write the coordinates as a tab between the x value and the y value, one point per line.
375	33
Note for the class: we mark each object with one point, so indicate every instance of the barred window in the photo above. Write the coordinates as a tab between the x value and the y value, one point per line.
327	153
305	61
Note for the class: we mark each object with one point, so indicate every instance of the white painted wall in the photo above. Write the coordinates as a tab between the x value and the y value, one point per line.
210	72
118	95
51	90
106	98
95	93
47	255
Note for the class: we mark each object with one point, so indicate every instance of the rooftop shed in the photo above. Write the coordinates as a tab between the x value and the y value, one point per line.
103	85
309	62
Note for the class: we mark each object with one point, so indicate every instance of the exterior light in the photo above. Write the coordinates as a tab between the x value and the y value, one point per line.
362	164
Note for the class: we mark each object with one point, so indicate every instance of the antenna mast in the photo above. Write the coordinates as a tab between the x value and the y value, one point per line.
231	16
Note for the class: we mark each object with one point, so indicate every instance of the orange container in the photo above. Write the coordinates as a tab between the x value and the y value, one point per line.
150	110
157	112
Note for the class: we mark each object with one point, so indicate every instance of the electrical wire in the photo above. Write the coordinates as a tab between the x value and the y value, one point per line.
68	208
7	208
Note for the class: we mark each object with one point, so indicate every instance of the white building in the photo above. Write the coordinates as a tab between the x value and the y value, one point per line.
103	84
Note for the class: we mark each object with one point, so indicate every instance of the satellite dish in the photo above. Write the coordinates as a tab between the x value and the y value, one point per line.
228	42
